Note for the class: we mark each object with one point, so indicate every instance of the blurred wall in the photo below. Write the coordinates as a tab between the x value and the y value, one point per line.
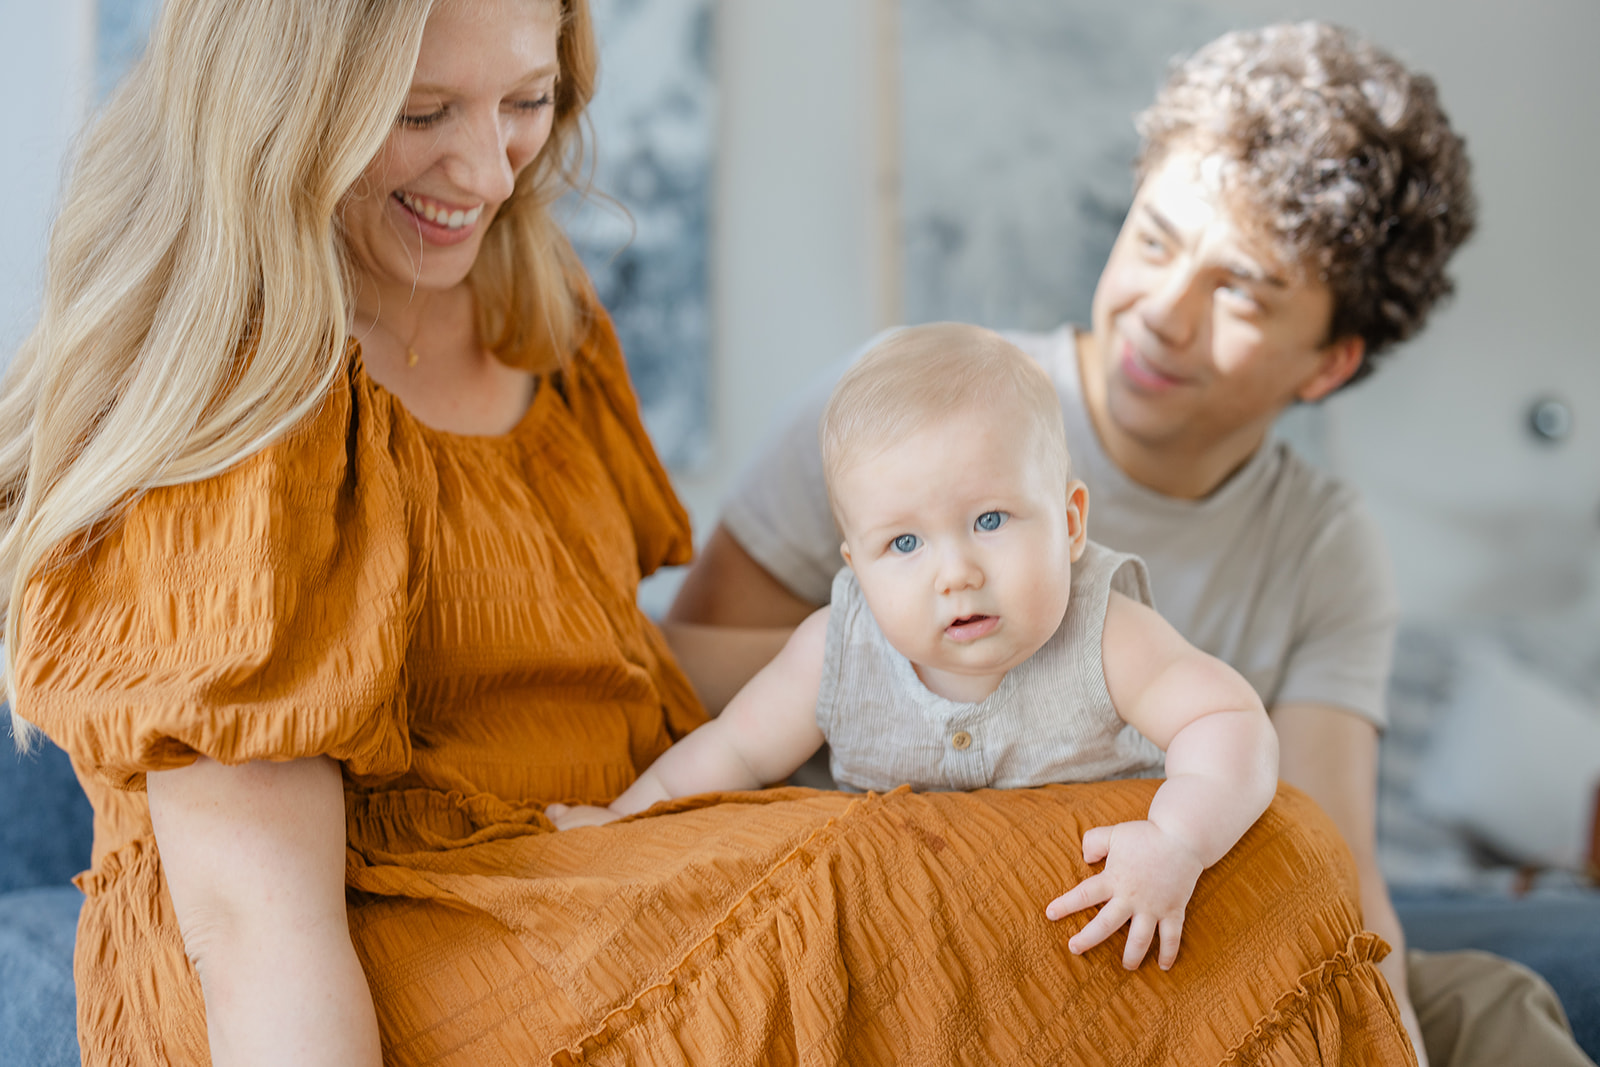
807	260
45	75
1481	517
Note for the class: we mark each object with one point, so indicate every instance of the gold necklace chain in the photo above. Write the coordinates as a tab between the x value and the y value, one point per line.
410	346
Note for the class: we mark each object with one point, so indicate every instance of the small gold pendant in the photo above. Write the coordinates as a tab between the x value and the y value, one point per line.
411	357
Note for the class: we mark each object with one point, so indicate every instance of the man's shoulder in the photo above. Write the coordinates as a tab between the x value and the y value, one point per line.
1293	486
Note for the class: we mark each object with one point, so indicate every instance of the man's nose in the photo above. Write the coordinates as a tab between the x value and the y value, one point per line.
1172	311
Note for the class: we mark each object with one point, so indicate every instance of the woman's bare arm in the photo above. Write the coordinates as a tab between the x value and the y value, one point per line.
254	858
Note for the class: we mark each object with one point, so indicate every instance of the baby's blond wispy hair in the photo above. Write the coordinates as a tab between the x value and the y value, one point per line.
922	374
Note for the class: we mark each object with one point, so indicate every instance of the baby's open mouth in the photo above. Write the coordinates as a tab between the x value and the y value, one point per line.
971	627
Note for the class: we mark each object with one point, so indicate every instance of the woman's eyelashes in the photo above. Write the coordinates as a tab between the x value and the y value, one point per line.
422	122
430	119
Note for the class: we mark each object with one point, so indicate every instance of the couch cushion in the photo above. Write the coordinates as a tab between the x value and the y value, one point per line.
46	825
38	1012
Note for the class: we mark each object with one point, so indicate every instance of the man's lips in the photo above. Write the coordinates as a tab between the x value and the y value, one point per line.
1141	374
972	627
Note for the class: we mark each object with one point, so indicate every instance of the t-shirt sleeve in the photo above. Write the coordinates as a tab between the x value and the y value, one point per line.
261	614
1346	621
778	511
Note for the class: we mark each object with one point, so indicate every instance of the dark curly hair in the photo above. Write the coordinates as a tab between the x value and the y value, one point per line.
1340	157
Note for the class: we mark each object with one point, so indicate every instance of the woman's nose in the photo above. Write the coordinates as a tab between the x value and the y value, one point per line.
483	162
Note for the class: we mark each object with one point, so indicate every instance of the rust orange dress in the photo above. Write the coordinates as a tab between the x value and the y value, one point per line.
454	620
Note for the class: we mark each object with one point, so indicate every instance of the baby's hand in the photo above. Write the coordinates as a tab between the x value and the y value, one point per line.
570	818
1147	882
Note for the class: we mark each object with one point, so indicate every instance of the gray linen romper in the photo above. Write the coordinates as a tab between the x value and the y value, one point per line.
1051	719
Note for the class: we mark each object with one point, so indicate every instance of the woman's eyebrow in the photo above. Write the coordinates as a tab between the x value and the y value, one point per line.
548	70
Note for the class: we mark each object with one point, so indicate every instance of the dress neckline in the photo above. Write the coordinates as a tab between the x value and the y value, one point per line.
529	417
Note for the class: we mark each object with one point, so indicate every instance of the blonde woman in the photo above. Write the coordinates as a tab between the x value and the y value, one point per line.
325	504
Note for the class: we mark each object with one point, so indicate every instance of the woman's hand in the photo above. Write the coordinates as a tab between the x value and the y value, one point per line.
570	818
1147	882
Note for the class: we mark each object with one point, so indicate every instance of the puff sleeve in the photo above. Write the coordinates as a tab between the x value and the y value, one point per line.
262	614
601	397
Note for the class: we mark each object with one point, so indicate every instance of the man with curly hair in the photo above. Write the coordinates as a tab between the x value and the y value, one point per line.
1299	194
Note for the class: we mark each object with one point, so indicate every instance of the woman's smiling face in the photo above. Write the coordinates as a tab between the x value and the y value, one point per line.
479	110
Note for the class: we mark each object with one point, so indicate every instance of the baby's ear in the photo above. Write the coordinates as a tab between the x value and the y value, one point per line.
844	550
1077	517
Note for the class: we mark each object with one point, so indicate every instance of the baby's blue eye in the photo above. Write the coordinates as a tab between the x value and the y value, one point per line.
906	543
990	521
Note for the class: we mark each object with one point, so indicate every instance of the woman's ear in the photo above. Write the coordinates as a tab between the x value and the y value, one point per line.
1077	517
1339	360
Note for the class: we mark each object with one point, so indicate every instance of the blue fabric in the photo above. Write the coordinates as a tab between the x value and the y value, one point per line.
1557	935
46	830
46	824
38	1011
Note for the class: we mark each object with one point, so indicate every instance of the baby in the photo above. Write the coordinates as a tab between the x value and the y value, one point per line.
976	639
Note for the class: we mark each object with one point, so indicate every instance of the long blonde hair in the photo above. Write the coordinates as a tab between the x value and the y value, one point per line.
196	288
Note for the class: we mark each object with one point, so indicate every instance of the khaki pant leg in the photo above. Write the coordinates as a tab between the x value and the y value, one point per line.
1479	1010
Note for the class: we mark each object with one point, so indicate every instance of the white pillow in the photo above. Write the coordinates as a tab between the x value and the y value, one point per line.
1514	760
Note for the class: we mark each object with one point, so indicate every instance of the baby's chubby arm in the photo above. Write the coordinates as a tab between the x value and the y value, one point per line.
766	732
1222	772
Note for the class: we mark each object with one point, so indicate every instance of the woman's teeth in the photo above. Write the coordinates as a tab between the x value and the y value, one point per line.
438	214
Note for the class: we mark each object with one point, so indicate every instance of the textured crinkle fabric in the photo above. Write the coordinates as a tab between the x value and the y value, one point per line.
454	619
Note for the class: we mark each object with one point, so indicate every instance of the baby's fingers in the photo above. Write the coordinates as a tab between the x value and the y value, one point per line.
1086	894
1141	931
1097	844
1171	934
1109	919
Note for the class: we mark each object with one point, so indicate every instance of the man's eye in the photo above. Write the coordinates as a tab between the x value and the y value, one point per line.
990	521
905	543
1240	297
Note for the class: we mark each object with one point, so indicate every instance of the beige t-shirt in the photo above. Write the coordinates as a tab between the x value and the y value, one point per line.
1280	572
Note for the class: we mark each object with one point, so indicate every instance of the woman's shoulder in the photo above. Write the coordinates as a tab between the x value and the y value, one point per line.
598	391
261	612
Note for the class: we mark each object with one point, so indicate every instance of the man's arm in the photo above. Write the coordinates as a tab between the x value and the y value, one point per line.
727	587
254	860
1332	755
719	660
